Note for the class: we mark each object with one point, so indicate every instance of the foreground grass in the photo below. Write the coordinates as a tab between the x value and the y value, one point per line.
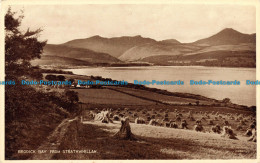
153	143
30	116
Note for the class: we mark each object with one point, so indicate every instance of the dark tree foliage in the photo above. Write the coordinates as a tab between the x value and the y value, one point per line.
55	78
61	78
72	80
226	100
72	96
30	114
51	77
20	47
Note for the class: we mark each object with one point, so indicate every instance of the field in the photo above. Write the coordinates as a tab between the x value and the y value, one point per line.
159	97
106	96
155	142
158	141
218	115
152	143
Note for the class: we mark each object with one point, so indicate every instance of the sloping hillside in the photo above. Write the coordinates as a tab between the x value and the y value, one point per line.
114	46
157	49
170	41
78	53
226	48
59	61
228	36
212	58
63	56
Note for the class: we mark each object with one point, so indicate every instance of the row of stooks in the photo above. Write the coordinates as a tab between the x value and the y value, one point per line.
205	115
227	131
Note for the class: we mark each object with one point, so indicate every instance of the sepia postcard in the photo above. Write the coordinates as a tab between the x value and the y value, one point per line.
118	81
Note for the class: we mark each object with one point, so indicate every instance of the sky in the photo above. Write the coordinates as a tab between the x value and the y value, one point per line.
184	22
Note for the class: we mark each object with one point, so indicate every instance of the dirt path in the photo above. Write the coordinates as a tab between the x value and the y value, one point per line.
52	142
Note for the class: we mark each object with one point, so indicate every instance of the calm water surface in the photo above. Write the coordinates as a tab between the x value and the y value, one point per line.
240	94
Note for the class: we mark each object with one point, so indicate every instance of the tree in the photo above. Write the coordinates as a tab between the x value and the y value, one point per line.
61	78
72	80
51	77
226	100
20	47
72	96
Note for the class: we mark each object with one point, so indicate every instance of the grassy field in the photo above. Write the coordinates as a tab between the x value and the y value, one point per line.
152	143
159	97
158	112
106	96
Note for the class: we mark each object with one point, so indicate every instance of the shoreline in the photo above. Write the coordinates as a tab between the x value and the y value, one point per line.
187	92
214	102
82	67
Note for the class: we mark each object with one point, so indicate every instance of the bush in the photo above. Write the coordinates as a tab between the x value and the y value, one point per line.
61	78
51	77
72	96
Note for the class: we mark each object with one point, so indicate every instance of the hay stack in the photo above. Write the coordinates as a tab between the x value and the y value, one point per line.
178	119
198	128
229	133
248	132
184	124
173	125
211	122
152	122
242	122
139	120
226	123
216	129
198	122
92	114
239	128
191	118
125	131
159	122
116	118
253	137
103	116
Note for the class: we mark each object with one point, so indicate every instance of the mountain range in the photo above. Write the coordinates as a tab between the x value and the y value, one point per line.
226	48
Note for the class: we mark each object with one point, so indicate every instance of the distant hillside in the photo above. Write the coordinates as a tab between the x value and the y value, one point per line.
227	36
157	49
62	56
226	48
114	46
59	61
78	53
212	58
170	41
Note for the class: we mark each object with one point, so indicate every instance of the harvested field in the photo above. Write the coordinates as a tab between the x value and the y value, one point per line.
152	143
